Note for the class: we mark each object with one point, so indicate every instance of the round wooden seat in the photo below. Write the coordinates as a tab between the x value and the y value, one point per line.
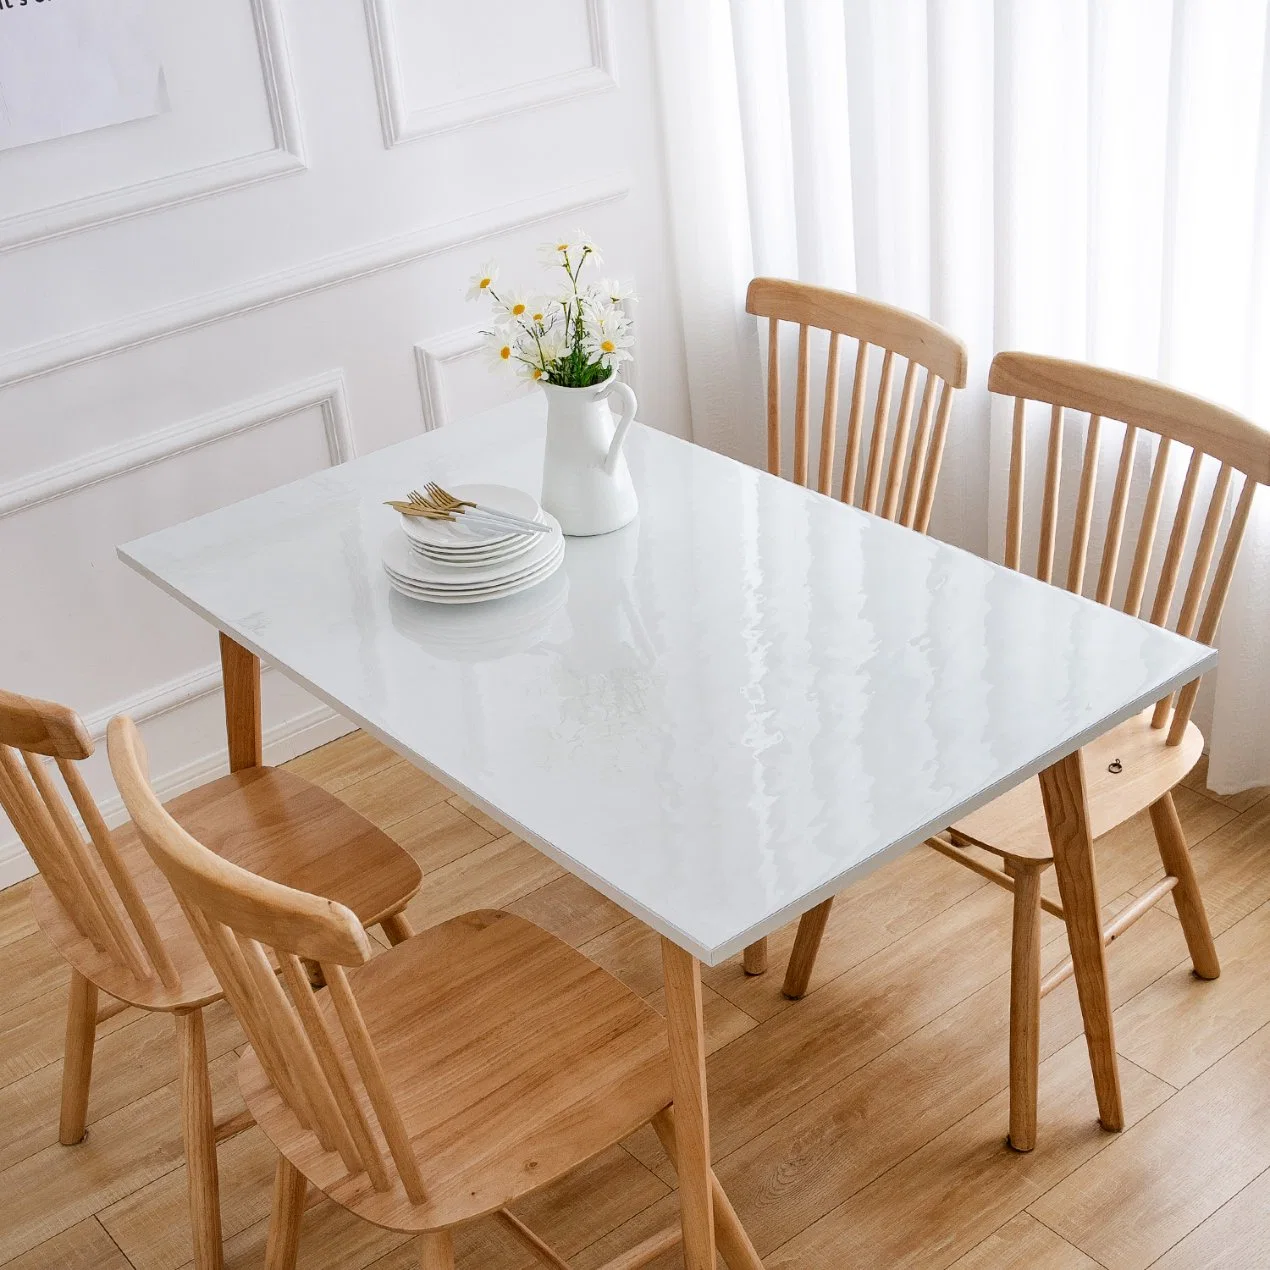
272	822
512	1057
1126	769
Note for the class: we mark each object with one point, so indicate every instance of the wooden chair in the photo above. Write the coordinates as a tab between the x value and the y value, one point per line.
1136	765
110	913
912	469
435	1084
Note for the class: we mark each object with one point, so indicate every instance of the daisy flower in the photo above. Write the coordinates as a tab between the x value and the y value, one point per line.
556	252
482	283
554	346
500	346
585	246
617	292
514	307
608	339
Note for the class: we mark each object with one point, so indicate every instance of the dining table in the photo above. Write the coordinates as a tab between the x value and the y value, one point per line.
718	716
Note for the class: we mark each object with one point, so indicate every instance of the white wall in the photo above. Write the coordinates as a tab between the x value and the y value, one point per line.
270	278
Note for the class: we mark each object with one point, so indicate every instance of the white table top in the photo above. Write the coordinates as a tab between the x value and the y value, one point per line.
718	716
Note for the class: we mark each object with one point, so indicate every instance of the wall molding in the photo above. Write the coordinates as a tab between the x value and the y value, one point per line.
431	358
47	358
285	739
400	123
287	155
326	392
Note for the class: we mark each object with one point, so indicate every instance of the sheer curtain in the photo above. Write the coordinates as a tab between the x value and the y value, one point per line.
1087	178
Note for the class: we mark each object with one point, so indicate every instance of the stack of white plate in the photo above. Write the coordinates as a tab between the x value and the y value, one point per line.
463	562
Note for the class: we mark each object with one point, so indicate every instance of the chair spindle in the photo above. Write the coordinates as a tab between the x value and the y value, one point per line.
1116	516
1018	470
371	1071
124	885
1049	503
855	423
1084	507
1216	602
329	1126
881	426
333	1069
917	455
1172	565
899	446
829	421
774	397
802	410
1146	530
1200	564
63	859
227	960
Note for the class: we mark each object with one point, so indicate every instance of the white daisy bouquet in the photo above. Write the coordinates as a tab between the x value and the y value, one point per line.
577	336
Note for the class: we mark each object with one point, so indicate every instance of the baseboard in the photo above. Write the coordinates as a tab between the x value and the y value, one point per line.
282	741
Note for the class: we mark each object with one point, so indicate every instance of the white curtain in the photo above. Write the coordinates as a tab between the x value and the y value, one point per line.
1086	178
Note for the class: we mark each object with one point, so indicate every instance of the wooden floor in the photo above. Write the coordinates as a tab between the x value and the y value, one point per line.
862	1127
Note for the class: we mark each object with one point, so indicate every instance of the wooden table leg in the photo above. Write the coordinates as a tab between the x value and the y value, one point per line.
733	1242
241	672
1067	814
682	974
1025	1001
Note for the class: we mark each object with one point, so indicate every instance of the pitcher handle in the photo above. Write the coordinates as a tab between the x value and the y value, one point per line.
629	406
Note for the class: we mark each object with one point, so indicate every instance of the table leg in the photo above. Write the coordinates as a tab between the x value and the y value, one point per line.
1067	814
682	974
241	673
733	1243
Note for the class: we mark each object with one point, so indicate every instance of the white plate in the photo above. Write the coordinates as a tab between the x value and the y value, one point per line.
468	598
474	559
459	581
482	588
400	558
461	536
491	547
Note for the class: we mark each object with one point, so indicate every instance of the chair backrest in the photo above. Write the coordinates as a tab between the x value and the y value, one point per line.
1175	418
913	470
329	1076
90	880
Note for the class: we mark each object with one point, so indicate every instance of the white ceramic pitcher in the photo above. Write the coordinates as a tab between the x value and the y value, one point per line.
586	484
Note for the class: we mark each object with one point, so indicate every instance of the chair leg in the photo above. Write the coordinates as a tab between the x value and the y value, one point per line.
397	928
77	1067
754	960
802	961
1025	1001
1067	812
1176	858
436	1251
199	1129
290	1189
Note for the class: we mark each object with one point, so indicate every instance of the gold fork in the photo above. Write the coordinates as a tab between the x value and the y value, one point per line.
441	500
426	510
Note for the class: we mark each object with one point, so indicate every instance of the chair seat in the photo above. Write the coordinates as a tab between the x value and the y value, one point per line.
270	821
1014	824
513	1059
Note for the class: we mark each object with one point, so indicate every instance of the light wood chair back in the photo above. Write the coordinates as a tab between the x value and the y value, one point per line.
915	456
327	1070
1144	406
89	879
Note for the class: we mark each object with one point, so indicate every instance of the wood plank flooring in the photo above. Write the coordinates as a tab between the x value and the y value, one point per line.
862	1127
